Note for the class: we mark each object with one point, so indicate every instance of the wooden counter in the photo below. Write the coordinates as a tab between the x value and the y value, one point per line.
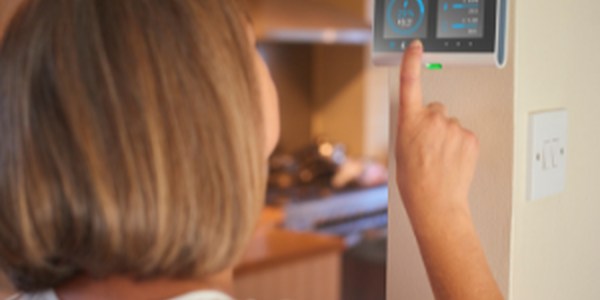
277	247
281	264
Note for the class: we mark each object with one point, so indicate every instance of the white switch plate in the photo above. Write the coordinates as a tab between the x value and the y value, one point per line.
547	153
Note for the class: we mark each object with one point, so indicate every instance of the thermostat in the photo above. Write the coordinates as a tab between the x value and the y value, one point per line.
453	32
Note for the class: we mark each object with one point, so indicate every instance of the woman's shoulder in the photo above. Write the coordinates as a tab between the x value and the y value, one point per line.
48	295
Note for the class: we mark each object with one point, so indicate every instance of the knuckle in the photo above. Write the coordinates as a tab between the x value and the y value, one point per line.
472	142
437	121
436	106
439	110
456	129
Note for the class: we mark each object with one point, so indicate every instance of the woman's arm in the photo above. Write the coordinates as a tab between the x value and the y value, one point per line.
436	160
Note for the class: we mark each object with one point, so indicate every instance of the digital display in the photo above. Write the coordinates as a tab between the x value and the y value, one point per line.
445	27
405	19
460	19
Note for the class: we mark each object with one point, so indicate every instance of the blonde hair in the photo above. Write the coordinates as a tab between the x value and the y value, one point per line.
131	140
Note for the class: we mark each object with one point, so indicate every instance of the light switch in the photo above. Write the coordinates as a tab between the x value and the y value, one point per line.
547	154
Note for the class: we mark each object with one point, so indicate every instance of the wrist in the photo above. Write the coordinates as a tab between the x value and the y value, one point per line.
438	217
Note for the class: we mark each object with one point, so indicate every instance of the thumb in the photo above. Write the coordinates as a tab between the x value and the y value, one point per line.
410	80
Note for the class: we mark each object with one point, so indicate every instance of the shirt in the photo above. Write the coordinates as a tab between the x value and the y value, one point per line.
201	295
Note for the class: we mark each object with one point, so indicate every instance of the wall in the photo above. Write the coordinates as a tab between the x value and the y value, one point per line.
556	241
483	100
544	250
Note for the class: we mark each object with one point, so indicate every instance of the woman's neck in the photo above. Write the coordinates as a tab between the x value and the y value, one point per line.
121	288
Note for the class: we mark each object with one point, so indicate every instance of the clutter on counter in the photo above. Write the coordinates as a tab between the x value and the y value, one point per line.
322	189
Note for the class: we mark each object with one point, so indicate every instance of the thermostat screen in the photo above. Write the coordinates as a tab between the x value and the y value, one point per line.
444	26
460	19
405	19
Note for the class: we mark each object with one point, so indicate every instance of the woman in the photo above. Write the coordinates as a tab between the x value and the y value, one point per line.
134	139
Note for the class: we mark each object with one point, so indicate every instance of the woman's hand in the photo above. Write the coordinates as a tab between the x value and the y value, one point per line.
436	159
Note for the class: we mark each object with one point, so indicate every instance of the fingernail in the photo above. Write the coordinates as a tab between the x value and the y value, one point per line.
416	44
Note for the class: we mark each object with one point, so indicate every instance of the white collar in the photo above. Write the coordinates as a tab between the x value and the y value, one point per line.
199	295
203	295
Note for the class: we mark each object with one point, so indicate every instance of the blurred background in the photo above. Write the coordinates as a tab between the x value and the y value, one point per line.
323	232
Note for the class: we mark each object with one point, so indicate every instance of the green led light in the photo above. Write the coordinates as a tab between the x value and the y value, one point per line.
434	66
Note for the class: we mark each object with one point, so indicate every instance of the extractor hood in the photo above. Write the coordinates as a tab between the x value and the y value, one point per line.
307	21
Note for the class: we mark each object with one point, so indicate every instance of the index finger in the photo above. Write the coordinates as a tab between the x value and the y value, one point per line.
410	80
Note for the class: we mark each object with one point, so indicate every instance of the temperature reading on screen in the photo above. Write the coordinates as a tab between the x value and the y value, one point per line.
460	19
405	19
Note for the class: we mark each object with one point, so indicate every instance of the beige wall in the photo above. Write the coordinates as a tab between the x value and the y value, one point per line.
548	249
556	241
482	98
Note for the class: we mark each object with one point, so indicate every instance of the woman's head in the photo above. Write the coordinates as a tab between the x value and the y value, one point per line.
132	139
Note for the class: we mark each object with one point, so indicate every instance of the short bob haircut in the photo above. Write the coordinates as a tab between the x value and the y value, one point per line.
131	140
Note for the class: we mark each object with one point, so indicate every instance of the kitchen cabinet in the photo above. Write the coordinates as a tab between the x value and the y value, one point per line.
282	264
328	87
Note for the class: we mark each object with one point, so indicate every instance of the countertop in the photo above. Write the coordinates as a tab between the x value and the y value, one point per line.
272	246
